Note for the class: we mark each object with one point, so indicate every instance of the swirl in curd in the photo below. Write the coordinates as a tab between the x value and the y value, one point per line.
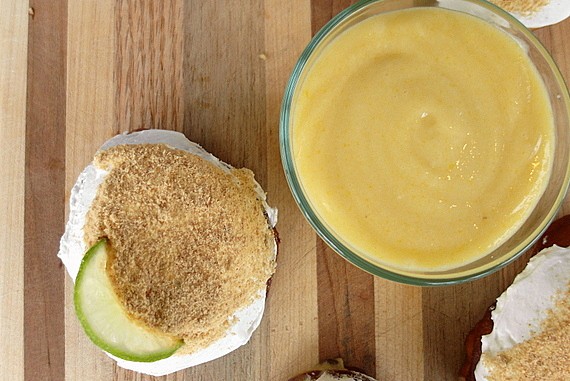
423	138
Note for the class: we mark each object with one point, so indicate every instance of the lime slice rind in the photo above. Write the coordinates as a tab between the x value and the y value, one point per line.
105	320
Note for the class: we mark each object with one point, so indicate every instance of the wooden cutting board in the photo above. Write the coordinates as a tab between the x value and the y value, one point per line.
75	72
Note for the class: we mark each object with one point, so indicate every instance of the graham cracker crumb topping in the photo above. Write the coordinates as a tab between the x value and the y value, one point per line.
192	243
524	7
545	356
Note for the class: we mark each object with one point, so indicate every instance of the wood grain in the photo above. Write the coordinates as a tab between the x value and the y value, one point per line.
216	72
44	192
399	331
90	120
13	73
292	305
148	64
346	311
224	82
324	10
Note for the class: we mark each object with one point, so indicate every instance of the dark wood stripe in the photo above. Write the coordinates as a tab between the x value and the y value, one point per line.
45	192
346	311
224	111
224	80
324	10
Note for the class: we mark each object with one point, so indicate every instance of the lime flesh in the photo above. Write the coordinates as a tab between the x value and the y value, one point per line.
106	321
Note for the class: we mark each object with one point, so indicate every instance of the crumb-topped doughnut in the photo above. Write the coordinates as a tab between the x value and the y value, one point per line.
181	245
192	244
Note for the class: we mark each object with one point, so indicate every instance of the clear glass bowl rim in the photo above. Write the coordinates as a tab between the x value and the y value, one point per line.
304	205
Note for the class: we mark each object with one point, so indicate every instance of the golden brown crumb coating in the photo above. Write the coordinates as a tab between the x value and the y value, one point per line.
192	242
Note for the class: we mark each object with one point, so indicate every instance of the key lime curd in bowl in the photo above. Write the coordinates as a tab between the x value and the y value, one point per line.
427	142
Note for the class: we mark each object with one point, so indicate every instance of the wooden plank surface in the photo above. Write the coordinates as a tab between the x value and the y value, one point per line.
13	75
44	190
90	119
76	72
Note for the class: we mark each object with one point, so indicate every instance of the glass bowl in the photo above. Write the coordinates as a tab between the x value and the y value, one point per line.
540	216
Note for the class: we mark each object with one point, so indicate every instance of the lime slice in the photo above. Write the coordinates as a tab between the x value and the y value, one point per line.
106	321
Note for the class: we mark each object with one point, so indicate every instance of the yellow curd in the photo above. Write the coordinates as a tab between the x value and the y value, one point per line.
423	138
